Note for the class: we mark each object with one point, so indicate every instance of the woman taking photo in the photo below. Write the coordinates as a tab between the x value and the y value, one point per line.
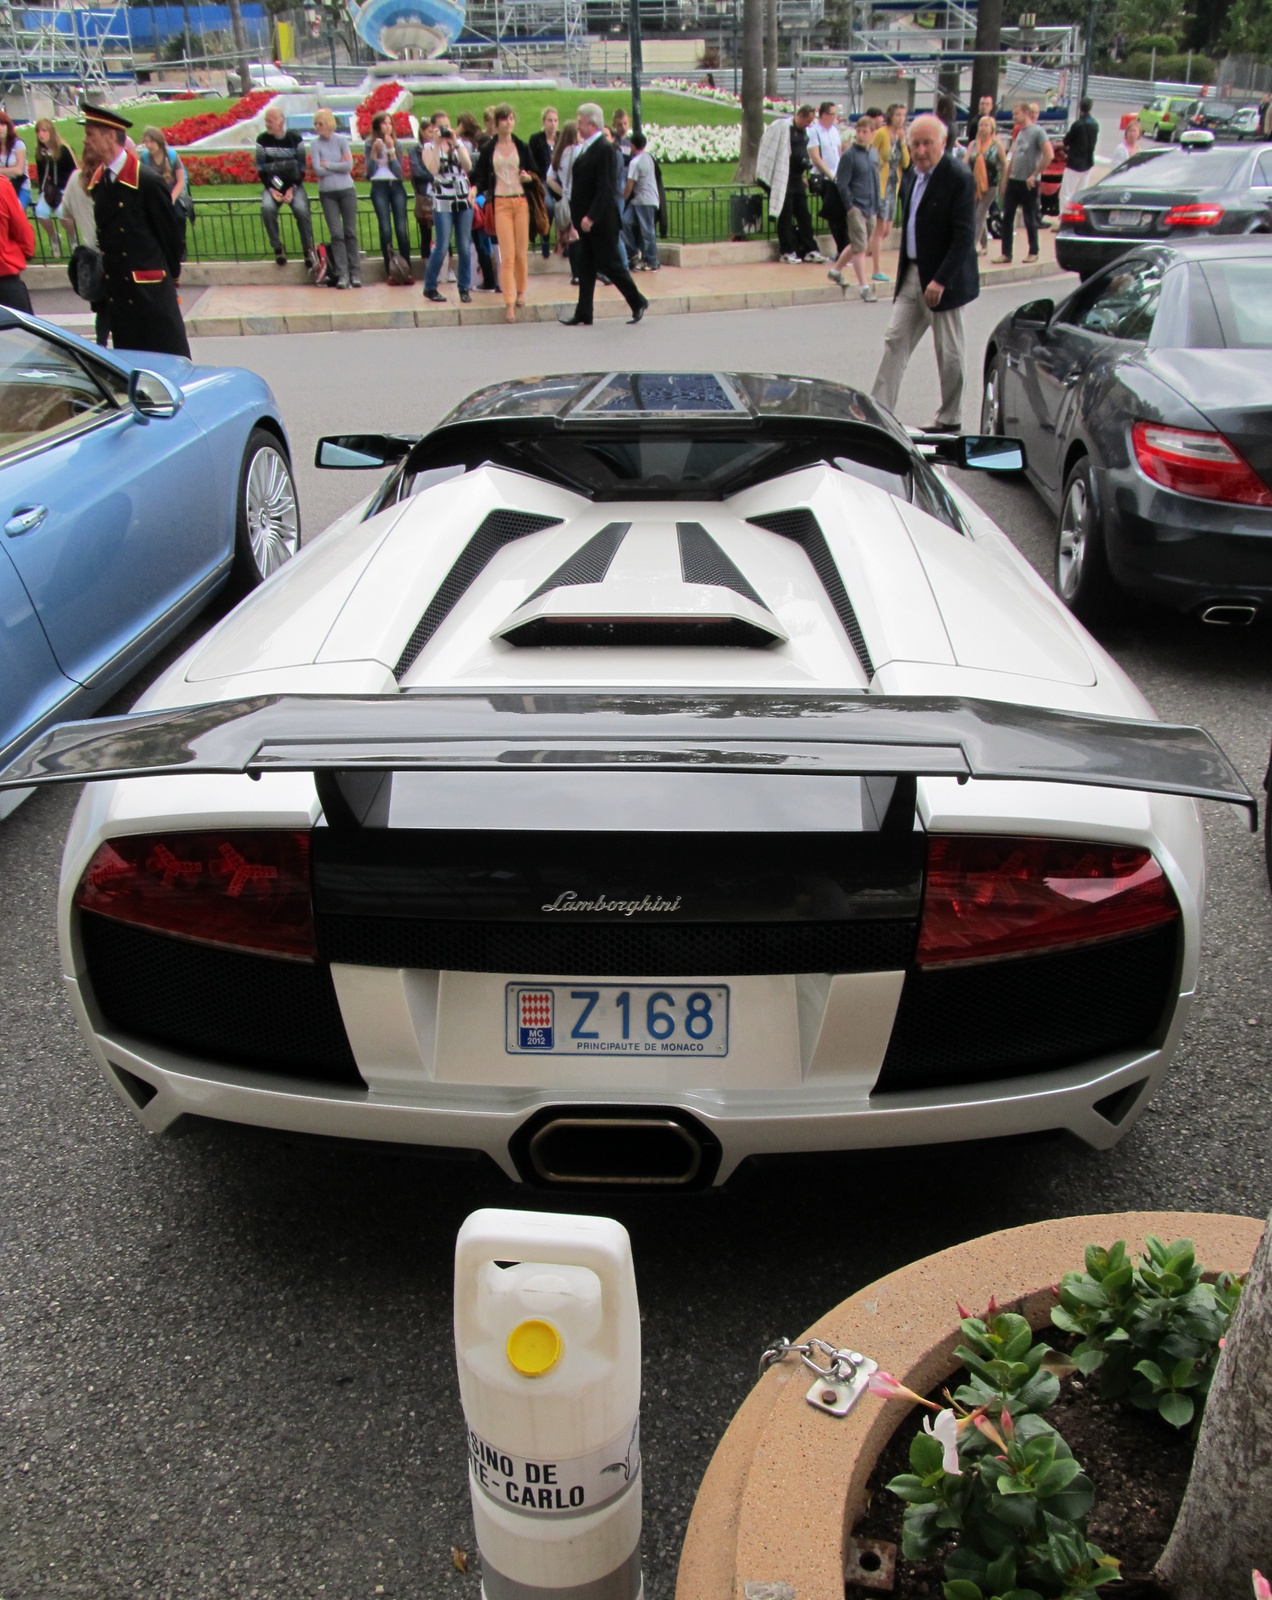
17	246
54	165
988	161
332	161
894	158
13	159
388	193
159	155
505	171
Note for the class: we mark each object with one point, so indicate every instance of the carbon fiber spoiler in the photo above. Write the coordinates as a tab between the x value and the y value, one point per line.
851	735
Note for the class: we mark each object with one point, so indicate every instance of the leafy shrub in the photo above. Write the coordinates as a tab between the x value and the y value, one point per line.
1161	42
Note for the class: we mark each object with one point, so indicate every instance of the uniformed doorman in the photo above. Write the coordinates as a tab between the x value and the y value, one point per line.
139	238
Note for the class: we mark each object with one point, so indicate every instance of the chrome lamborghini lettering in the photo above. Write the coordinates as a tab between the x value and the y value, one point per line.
568	900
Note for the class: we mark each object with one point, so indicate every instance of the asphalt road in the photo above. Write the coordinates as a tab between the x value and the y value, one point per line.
225	1360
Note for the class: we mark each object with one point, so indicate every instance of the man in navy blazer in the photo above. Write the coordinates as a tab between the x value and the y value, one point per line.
937	275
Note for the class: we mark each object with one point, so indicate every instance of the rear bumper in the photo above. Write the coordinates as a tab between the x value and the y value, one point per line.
1096	1101
1088	253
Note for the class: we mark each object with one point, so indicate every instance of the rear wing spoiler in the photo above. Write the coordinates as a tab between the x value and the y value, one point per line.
859	735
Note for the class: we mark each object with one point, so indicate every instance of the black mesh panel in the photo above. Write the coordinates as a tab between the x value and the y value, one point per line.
803	527
658	632
970	1023
590	562
619	950
703	561
498	529
228	1006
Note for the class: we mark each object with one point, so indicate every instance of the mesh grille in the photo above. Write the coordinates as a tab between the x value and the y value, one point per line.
703	561
498	529
972	1024
224	1005
590	562
661	633
619	950
803	527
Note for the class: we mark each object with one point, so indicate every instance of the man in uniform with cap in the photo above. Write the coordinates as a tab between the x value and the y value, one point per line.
138	236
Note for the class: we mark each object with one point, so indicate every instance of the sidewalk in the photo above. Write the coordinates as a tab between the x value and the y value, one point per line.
216	310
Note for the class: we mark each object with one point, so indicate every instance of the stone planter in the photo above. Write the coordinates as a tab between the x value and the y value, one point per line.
786	1485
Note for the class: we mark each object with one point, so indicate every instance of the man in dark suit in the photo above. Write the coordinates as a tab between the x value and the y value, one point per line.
937	273
594	210
139	238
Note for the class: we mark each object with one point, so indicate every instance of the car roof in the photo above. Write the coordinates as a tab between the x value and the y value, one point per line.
1216	247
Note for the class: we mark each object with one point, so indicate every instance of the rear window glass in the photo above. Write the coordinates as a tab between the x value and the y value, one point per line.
1183	169
1242	292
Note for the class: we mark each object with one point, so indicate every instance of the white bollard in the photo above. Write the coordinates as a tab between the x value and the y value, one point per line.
548	1351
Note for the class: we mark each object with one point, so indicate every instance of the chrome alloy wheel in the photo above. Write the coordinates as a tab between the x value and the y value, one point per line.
991	405
1075	522
273	521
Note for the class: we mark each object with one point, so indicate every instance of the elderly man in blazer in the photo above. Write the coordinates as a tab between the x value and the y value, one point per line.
594	212
937	274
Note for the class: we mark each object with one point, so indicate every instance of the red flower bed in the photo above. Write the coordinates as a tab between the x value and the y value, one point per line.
380	100
238	166
190	129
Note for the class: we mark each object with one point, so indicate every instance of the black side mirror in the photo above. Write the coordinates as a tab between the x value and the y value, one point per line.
361	451
979	452
1033	314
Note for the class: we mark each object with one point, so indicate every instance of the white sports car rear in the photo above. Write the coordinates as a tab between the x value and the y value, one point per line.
659	769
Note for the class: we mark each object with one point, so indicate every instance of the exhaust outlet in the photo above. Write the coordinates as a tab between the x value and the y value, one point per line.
613	1148
1230	615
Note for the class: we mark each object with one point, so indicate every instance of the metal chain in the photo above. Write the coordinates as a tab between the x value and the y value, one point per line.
842	1365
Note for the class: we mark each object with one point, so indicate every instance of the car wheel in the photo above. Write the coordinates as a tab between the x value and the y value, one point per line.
1083	579
267	529
992	399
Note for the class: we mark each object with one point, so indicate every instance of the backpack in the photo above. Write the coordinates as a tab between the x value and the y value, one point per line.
87	272
399	271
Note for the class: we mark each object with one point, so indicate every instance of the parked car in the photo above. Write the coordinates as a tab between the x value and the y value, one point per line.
1213	116
1167	194
135	487
1160	117
1145	404
611	801
1244	124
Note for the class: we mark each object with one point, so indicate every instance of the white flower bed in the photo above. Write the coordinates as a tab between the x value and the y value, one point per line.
724	97
699	142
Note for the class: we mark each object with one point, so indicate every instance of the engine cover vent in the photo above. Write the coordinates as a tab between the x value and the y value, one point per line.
636	632
497	529
589	563
803	527
703	561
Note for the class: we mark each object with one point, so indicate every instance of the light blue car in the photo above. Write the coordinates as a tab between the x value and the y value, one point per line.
133	486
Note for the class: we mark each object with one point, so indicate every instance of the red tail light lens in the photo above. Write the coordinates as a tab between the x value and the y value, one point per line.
1075	211
998	897
250	890
1200	464
1192	216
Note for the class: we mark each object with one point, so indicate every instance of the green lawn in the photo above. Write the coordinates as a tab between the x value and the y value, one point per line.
656	106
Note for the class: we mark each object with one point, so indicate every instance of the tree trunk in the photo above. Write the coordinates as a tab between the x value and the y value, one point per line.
240	46
989	37
1225	1523
770	49
752	88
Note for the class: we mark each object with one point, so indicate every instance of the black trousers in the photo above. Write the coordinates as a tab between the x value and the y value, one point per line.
13	293
146	316
600	254
1020	197
834	215
794	225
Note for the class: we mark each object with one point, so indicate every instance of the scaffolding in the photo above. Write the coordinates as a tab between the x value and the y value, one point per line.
524	37
65	49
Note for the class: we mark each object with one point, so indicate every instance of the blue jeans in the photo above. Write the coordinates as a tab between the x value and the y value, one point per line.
645	232
443	223
299	204
388	196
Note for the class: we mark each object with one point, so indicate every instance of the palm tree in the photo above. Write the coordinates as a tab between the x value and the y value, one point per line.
752	88
240	46
770	49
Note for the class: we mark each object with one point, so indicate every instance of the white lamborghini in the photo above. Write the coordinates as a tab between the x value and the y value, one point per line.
657	770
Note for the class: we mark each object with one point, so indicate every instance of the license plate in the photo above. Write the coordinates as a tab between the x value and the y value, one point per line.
617	1019
1127	219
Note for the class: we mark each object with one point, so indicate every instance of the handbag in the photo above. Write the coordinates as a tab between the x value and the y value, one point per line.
540	221
564	222
399	271
87	272
52	194
424	209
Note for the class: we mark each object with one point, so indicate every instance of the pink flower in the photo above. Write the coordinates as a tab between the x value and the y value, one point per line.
990	1431
1262	1588
883	1383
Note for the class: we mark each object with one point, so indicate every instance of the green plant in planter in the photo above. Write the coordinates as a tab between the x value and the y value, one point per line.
1008	1371
1151	1330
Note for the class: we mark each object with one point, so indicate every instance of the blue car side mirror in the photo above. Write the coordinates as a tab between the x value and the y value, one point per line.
151	395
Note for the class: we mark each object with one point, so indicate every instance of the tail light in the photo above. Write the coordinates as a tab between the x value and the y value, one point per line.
999	897
1200	464
249	890
1194	215
1075	211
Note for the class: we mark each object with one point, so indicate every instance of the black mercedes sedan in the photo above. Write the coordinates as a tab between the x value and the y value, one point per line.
1179	193
1145	404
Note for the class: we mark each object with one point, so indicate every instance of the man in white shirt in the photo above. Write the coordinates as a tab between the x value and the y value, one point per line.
641	221
825	146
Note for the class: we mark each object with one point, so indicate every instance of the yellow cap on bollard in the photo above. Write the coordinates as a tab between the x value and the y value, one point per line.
534	1347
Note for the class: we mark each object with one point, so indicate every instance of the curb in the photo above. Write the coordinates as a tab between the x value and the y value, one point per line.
786	1484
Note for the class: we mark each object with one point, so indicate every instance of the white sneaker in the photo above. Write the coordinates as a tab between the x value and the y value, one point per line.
814	256
867	292
450	276
792	260
836	276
